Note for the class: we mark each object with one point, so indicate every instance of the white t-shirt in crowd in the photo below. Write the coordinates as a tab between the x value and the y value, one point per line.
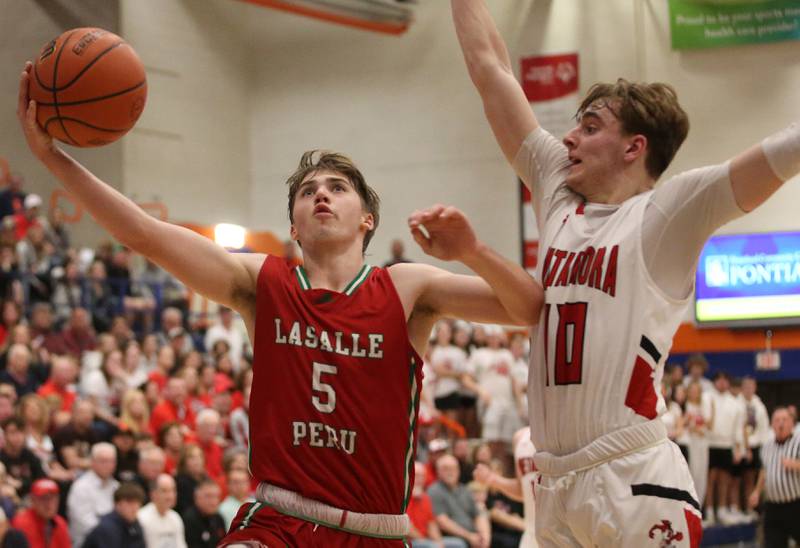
89	498
453	359
727	426
161	531
492	369
705	383
235	338
697	415
756	421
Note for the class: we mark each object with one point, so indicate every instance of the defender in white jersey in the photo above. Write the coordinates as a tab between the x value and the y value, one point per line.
617	266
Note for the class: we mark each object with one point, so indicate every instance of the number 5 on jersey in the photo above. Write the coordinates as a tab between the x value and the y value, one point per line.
568	358
326	403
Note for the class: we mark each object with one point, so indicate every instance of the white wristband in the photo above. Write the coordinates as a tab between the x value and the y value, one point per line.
783	152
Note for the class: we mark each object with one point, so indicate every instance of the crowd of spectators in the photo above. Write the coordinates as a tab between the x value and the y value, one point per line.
124	412
123	416
473	401
720	424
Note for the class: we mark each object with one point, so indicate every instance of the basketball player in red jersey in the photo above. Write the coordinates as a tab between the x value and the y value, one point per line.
337	371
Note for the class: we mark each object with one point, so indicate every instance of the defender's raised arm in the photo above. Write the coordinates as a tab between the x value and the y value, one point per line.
489	65
761	170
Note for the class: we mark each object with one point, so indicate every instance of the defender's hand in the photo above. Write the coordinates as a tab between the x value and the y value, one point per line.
40	143
450	235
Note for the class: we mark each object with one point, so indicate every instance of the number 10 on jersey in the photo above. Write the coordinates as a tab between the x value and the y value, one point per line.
567	356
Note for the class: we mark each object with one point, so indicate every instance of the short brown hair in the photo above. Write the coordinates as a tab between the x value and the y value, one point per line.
129	491
651	110
696	360
339	163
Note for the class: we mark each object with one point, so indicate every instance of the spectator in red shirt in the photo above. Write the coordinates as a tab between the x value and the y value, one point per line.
11	537
205	383
425	532
198	399
8	398
165	362
170	439
173	408
208	427
28	217
222	403
11	315
78	335
40	523
60	383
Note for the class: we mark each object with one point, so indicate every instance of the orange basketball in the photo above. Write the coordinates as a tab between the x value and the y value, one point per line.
90	87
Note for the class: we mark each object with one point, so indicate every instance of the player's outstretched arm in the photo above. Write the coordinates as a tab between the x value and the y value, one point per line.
504	292
489	66
199	263
761	170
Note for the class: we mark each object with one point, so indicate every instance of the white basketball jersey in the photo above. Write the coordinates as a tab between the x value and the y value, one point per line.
605	329
526	470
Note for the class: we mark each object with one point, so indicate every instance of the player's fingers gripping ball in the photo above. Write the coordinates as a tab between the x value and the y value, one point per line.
90	87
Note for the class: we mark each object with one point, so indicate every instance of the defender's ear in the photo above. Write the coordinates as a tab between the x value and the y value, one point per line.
636	147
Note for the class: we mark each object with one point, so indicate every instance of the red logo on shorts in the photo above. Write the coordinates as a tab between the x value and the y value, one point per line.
666	534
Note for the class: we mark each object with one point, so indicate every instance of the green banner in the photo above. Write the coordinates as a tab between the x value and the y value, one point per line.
714	23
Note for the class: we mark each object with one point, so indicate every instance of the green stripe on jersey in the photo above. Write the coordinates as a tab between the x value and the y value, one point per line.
358	280
255	507
302	277
355	283
412	420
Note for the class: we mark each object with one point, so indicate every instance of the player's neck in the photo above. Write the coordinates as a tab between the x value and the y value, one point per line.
619	187
332	269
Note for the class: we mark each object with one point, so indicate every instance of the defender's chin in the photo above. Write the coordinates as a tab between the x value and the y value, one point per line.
573	182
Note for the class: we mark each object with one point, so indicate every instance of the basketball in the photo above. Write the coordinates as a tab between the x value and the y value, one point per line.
90	87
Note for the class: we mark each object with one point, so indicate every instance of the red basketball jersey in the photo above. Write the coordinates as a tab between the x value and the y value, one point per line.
335	396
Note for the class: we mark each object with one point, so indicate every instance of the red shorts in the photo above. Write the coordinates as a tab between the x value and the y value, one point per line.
272	529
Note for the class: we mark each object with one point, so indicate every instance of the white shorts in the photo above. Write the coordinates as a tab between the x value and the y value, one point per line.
639	499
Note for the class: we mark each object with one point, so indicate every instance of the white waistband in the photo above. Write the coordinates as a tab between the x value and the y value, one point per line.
393	526
605	448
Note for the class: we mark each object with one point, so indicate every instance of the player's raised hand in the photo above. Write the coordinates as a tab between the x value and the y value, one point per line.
450	236
39	142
